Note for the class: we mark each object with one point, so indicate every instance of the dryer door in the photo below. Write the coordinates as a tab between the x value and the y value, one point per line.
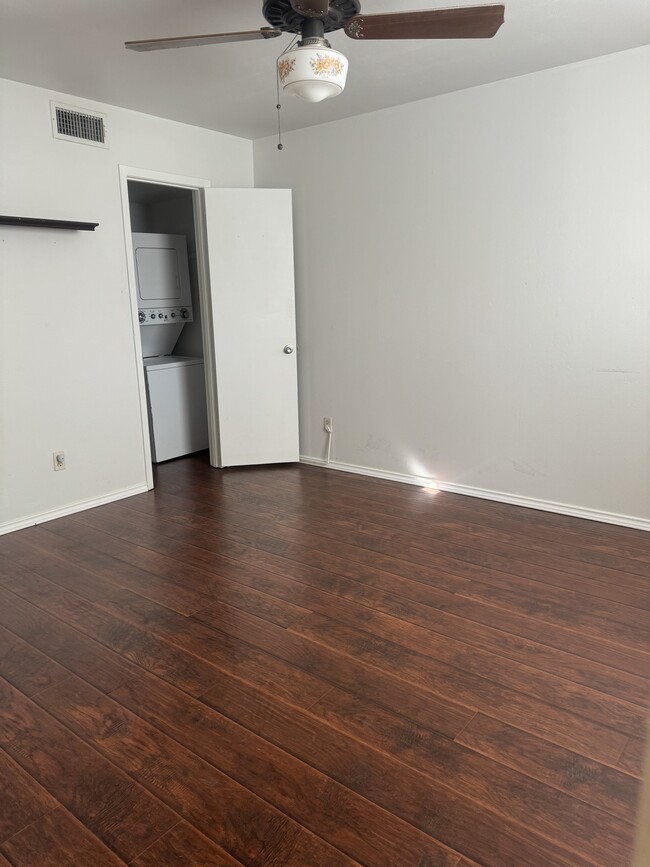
161	271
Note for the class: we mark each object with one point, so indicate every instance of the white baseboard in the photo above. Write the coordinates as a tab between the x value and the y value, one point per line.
52	515
484	494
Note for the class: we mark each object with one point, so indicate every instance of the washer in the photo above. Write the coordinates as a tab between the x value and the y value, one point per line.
178	415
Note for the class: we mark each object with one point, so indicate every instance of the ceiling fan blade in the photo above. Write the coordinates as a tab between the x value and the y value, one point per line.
465	22
311	8
206	39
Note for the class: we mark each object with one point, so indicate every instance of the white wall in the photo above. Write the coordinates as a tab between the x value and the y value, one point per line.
67	356
473	285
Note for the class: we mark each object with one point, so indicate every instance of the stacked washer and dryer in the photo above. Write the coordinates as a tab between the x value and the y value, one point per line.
178	418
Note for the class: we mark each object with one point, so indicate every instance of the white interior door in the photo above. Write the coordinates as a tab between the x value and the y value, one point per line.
250	256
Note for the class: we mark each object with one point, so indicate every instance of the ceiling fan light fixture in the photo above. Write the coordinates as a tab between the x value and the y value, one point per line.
313	70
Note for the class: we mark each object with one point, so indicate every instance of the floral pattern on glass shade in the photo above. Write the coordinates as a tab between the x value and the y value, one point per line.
285	67
325	64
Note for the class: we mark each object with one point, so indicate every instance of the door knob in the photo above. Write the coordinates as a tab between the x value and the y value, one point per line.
288	350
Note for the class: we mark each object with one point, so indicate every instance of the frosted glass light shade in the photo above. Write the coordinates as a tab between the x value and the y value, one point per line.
313	72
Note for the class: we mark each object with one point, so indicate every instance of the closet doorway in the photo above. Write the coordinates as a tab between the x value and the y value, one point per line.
242	281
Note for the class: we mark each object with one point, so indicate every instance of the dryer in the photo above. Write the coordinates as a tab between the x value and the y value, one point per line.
162	279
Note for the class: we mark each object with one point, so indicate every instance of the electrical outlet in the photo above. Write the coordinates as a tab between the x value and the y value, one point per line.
58	459
327	425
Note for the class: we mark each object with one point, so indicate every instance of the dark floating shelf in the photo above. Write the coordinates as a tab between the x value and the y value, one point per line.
37	223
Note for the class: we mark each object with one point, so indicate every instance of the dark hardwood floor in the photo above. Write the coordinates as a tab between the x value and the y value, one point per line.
293	666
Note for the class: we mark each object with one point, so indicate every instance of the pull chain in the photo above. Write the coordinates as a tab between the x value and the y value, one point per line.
279	107
277	83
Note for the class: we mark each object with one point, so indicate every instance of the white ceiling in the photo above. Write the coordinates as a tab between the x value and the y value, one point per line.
76	46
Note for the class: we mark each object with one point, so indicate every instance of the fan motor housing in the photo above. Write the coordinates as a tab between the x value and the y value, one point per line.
282	16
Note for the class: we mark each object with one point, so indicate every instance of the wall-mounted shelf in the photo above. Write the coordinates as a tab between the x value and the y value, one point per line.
36	222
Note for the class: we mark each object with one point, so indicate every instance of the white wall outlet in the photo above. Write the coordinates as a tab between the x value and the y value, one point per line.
58	459
327	424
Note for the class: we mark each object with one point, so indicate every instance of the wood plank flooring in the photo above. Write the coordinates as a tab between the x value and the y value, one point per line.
292	666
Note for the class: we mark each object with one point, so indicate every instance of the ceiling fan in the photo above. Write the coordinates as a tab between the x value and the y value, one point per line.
312	69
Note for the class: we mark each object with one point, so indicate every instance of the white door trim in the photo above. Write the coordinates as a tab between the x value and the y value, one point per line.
129	173
207	327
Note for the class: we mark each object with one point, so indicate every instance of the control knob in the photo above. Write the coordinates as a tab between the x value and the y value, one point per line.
184	314
160	316
153	316
141	316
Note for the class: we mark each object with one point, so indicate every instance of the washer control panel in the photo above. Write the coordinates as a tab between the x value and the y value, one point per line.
164	315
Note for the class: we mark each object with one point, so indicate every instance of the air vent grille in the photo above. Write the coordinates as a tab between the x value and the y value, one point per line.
73	124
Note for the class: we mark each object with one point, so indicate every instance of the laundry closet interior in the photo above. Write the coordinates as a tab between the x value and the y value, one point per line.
163	237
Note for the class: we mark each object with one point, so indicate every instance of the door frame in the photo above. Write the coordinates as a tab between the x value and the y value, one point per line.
196	186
